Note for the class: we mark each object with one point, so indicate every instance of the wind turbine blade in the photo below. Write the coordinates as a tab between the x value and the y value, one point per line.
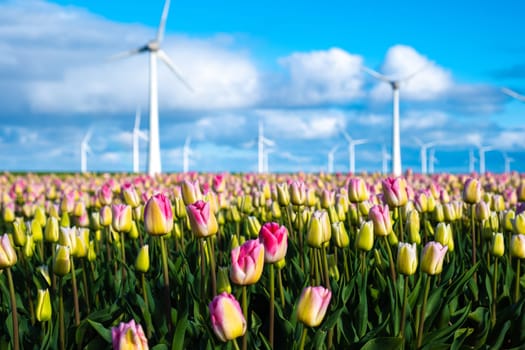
268	142
143	135
360	142
163	19
410	76
418	141
513	94
137	119
187	142
345	134
128	53
376	74
334	149
86	138
162	55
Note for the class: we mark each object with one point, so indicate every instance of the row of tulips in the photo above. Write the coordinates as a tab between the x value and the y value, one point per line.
272	261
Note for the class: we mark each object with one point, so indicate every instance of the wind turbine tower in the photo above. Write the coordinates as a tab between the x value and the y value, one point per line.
423	153
261	142
471	161
331	155
432	160
137	135
396	143
186	153
507	161
153	47
351	149
482	150
84	150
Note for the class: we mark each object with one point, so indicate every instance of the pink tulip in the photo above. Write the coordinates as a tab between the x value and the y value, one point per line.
247	263
380	216
395	191
158	216
202	221
130	195
432	258
312	306
227	319
105	194
357	191
129	336
122	218
7	252
275	240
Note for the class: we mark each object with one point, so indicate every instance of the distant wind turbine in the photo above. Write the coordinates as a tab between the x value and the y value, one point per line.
351	149
154	49
482	150
507	161
423	153
137	134
331	155
471	161
261	142
513	94
432	160
84	150
395	84
267	152
186	153
385	157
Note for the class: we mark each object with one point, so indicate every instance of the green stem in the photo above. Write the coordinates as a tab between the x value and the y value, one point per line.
400	223
494	295
390	260
303	338
203	268
212	267
235	345
245	313
123	256
272	304
75	292
423	309
146	302
61	329
14	312
166	287
86	288
326	273
281	289
404	309
473	228
345	264
517	287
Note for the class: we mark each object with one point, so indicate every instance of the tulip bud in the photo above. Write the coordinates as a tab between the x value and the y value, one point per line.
227	319
202	221
497	247
380	216
313	304
29	247
274	237
129	336
432	258
517	246
283	194
247	263
438	213
275	211
364	208
223	280
498	203
40	216
357	191
9	212
319	230
122	218
297	193
327	199
36	231
471	191
62	263
407	258
365	236
43	306
395	191
449	211
142	261
482	211
508	220
443	233
7	253
158	215
520	191
191	192
130	195
92	254
106	216
19	232
519	223
252	226
413	227
333	270
421	202
105	195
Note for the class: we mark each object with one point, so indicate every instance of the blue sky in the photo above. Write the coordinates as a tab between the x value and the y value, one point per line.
295	65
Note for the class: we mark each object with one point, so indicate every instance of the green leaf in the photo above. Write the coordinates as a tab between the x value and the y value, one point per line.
501	337
180	332
101	330
391	343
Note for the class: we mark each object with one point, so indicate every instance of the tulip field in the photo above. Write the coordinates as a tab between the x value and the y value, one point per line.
262	261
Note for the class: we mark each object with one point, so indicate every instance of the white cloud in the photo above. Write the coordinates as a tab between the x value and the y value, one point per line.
322	76
430	82
418	120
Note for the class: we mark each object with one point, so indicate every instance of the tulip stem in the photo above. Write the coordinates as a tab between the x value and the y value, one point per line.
404	308
86	288
400	223
423	310
14	312
203	268
325	269
75	292
272	304
123	256
494	287
345	264
303	338
245	313
281	289
212	266
390	260
517	287
62	333
235	345
473	228
166	288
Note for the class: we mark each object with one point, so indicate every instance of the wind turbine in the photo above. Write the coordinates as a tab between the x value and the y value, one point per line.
261	142
153	47
267	152
84	150
385	157
186	153
423	153
513	94
331	155
432	160
395	84
471	161
507	160
351	149
482	150
137	134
